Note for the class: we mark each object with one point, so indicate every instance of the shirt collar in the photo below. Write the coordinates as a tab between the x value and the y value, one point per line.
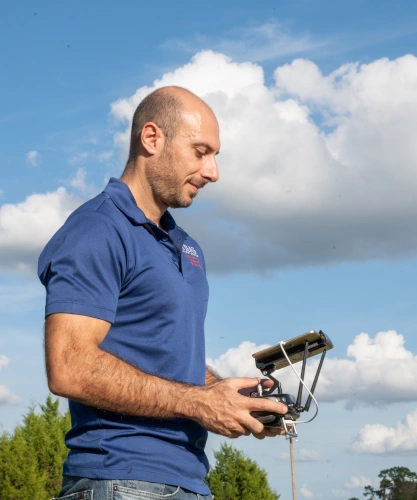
123	198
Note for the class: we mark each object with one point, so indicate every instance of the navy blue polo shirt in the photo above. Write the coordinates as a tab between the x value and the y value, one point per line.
109	261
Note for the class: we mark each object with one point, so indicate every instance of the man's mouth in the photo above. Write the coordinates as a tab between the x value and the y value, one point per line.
197	186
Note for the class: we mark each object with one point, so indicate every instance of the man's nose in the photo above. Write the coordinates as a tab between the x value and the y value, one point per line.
210	171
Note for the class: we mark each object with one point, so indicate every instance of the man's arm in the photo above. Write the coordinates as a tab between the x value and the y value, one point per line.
79	370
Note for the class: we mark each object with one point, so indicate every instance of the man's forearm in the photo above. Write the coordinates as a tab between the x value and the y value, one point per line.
111	384
104	381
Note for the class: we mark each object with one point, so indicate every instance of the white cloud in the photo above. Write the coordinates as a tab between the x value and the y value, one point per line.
105	156
79	180
357	482
79	183
33	158
305	492
82	157
237	361
302	455
295	190
79	158
377	371
7	397
255	43
4	361
377	439
266	42
26	227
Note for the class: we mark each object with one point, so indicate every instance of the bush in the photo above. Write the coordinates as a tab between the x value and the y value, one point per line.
236	477
31	457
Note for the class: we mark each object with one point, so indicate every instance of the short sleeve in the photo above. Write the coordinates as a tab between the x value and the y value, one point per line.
82	267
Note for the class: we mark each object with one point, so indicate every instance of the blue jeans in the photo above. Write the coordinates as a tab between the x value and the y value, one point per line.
81	488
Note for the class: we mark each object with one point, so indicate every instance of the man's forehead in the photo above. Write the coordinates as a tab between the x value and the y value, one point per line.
201	127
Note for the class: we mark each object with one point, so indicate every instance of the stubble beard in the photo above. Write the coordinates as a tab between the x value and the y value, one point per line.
165	183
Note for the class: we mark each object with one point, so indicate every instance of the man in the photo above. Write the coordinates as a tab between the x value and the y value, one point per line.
124	332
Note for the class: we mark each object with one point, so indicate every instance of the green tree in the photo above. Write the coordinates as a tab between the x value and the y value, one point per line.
236	477
31	457
397	483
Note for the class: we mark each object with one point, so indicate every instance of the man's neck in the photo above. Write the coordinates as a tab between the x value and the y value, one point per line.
143	196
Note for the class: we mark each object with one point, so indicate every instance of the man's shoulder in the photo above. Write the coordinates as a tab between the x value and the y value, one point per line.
93	229
94	222
98	211
101	205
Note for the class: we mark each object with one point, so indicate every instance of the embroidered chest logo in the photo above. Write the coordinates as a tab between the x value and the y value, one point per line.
192	256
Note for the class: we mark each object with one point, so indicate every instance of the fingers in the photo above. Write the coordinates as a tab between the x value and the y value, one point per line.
235	434
267	383
263	404
244	382
270	432
254	426
241	430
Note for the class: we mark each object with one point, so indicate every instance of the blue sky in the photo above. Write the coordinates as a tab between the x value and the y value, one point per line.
311	224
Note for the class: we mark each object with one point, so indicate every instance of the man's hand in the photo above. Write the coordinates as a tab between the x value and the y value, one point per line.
267	431
221	408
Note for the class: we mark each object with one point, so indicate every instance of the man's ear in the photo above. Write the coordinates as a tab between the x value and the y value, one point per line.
152	138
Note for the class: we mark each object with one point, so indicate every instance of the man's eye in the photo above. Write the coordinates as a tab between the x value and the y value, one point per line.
199	153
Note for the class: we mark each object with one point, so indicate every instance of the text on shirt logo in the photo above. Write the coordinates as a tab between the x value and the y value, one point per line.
192	256
189	250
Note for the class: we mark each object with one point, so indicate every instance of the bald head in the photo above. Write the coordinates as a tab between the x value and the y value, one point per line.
166	108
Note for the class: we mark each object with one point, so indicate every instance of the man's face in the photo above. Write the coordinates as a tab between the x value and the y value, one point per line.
187	162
